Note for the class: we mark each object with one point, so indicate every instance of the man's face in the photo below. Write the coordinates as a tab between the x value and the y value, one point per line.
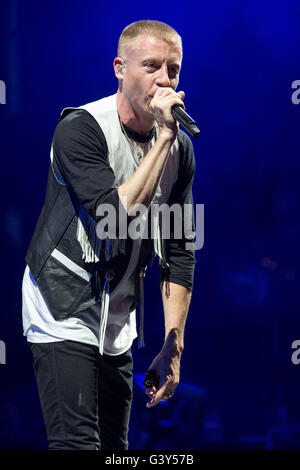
149	63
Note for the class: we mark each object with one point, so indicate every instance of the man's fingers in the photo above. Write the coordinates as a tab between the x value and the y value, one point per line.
160	395
156	396
156	399
181	96
163	92
151	391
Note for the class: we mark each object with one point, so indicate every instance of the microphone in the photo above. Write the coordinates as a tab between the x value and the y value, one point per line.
185	120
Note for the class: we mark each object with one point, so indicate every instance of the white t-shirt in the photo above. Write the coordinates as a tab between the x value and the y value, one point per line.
40	326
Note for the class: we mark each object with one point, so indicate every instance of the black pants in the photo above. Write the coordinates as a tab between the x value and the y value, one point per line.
85	397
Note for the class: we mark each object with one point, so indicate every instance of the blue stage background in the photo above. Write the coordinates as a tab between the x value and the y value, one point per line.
239	386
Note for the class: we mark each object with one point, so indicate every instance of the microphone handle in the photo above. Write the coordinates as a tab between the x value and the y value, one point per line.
185	120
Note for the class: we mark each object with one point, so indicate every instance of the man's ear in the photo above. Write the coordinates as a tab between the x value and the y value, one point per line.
119	66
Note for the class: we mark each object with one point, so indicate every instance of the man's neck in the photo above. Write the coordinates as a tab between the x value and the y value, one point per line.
140	124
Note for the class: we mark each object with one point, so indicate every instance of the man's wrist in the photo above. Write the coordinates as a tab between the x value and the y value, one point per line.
174	342
166	135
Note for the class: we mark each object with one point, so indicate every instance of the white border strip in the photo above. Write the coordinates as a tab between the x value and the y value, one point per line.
71	265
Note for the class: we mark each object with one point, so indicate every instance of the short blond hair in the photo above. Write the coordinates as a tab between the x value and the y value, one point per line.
154	28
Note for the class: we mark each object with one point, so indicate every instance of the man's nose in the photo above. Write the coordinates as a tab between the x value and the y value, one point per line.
163	77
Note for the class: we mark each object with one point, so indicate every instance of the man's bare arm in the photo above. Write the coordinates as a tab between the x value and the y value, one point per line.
176	301
142	185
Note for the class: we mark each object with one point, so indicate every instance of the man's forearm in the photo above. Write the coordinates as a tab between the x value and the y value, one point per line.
141	187
176	301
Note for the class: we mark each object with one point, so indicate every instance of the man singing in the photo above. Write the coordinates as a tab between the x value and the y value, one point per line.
81	285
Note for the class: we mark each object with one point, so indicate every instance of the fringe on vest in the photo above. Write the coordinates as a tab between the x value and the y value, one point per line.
90	242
